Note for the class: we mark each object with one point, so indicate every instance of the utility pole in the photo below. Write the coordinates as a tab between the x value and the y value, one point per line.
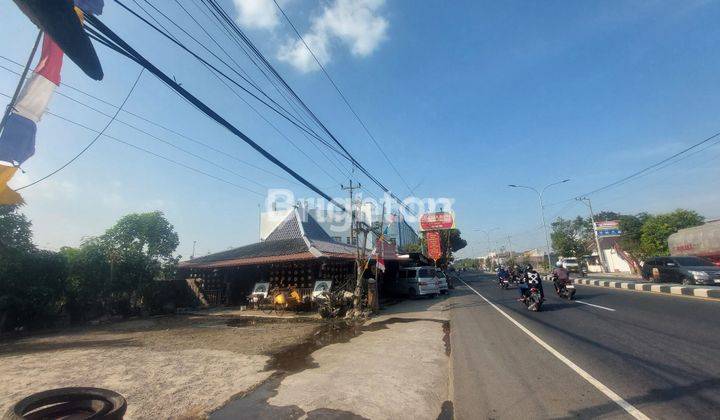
373	289
359	269
588	203
351	188
510	253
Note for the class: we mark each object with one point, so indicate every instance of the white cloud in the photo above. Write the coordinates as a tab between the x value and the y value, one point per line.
355	23
257	14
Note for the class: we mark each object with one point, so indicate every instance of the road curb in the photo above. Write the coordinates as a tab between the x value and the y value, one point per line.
655	288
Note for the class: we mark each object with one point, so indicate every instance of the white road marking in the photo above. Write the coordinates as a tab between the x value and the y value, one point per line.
596	306
597	384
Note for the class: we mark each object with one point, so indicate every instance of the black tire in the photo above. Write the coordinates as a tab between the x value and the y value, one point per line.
104	403
413	293
687	281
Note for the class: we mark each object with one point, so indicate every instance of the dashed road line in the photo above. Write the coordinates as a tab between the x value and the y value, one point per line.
595	306
629	408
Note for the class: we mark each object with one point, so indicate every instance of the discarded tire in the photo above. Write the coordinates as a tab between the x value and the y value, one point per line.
76	403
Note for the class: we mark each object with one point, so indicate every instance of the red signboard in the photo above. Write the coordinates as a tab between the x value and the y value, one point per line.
437	221
434	246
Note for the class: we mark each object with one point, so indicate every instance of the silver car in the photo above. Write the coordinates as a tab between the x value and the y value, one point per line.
419	281
442	281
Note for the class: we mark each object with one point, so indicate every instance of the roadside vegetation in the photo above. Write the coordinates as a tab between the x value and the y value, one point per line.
116	274
643	236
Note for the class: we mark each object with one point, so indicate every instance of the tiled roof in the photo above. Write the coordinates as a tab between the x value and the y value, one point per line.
288	242
260	249
287	229
294	227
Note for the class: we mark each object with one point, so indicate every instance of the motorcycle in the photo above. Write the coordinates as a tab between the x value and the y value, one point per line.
566	291
504	283
533	299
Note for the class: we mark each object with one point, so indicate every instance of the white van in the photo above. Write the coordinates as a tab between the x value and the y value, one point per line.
418	281
571	264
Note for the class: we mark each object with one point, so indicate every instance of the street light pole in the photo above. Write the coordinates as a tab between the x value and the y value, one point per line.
542	211
587	202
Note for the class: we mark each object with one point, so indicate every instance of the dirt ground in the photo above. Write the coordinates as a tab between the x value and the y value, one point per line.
180	366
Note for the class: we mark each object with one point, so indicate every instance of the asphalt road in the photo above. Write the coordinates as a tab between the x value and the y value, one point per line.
631	355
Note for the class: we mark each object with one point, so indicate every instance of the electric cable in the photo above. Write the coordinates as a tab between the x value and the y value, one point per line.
344	98
89	145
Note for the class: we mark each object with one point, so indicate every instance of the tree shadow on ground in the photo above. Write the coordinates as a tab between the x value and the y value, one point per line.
29	347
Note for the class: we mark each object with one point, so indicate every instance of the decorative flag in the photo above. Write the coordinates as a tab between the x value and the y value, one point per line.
381	253
7	195
59	19
94	7
17	141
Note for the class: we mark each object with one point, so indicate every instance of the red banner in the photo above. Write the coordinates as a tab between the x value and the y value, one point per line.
434	245
437	221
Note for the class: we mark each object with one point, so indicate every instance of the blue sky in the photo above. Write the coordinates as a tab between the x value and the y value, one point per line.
466	97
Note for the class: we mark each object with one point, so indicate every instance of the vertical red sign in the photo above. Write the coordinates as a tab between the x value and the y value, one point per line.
434	246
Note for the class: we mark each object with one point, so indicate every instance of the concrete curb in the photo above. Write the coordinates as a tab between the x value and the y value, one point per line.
657	288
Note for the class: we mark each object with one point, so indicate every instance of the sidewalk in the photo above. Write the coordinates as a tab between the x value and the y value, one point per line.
394	367
667	288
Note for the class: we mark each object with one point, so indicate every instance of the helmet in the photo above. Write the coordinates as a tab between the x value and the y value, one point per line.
558	264
529	267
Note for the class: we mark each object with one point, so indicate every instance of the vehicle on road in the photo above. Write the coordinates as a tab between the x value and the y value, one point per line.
531	296
565	291
442	281
685	270
571	264
533	300
419	281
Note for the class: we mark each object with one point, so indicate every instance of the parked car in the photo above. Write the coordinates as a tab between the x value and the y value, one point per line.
685	270
418	281
571	264
443	281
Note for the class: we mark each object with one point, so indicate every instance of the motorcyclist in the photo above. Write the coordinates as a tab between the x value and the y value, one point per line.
530	276
560	276
502	273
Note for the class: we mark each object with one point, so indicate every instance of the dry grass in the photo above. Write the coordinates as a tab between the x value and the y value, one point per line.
169	367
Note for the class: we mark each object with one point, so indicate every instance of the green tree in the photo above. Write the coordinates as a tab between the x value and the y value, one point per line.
571	238
32	281
15	230
656	230
149	234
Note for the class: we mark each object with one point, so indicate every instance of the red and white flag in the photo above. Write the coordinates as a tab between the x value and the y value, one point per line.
17	141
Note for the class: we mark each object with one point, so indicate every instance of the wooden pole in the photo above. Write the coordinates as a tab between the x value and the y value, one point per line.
21	82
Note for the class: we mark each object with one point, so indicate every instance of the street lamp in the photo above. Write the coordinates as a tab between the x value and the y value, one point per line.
542	211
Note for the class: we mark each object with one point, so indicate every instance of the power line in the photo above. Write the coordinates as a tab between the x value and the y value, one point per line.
285	114
198	142
256	87
313	116
123	48
89	145
344	98
642	171
158	155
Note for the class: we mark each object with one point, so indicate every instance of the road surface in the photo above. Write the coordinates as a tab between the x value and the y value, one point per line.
610	354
